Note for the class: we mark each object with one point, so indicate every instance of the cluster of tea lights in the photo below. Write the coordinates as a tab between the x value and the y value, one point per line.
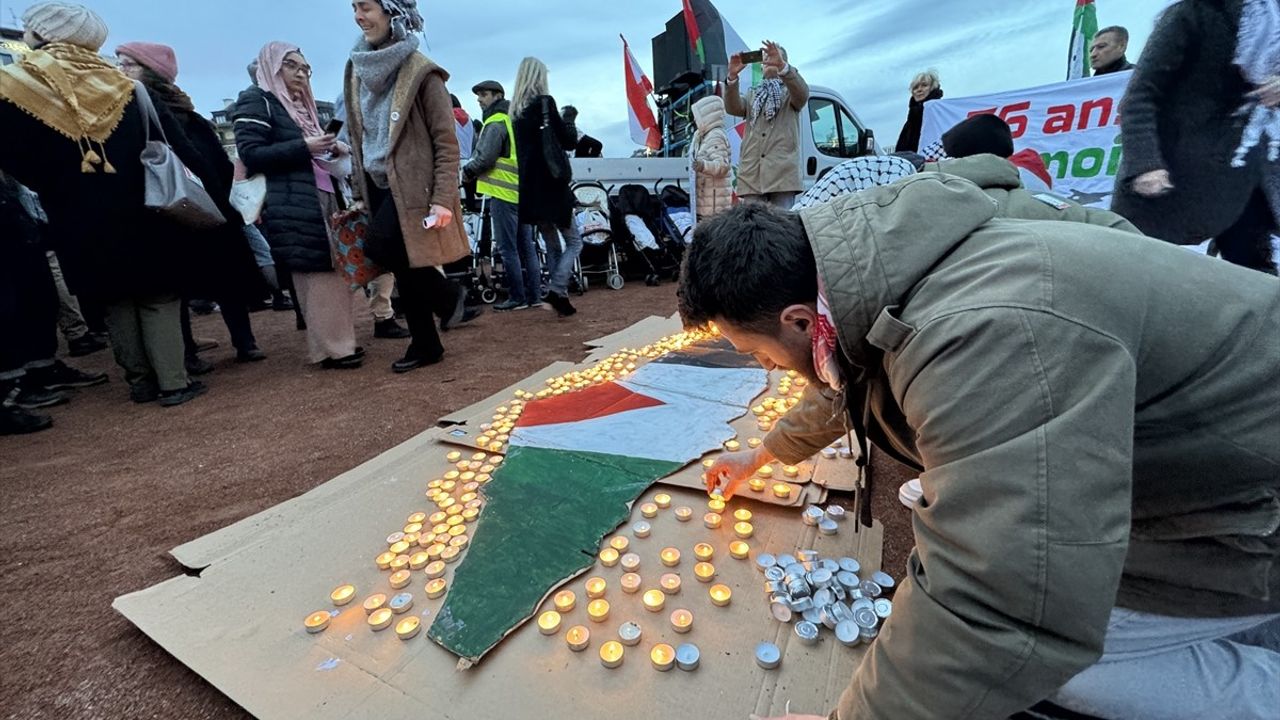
829	593
790	390
665	601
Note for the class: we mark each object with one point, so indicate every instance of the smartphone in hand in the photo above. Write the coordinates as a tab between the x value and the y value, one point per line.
752	56
334	126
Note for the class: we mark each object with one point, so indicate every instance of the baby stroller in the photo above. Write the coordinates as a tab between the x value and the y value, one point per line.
481	273
677	216
599	254
637	219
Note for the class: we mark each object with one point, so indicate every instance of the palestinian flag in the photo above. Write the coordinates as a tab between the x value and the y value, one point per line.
1083	27
691	27
575	464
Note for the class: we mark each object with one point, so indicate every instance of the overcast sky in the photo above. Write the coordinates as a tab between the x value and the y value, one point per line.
865	49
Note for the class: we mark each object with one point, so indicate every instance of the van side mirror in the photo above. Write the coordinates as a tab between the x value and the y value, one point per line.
866	141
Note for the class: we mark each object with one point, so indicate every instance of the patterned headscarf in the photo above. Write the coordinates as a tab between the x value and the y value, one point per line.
302	108
405	17
1258	57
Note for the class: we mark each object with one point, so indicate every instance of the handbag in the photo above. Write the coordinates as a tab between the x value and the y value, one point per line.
351	238
171	189
248	194
552	151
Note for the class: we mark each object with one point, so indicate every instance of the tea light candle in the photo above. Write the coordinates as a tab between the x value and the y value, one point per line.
317	621
712	520
395	537
630	562
453	457
742	515
768	656
670	556
688	657
565	600
681	621
379	619
451	475
721	595
434	550
791	471
457	530
398	547
407	628
433	485
765	472
758	410
549	622
743	530
438	517
662	500
663	657
654	600
412	538
619	543
419	560
342	594
611	654
373	602
400	603
596	587
434	569
629	634
630	583
466	497
704	571
399	579
703	551
649	510
683	513
470	514
399	563
411	528
578	638
733	446
739	550
754	442
670	583
436	588
756	484
450	554
641	529
715	505
609	557
598	610
764	426
781	490
708	463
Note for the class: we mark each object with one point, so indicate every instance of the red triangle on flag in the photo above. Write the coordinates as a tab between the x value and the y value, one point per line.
587	404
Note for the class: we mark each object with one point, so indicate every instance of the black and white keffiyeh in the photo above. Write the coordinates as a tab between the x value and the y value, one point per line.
1258	57
405	18
767	98
854	175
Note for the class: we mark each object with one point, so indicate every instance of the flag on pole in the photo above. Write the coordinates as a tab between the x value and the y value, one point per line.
644	127
1083	28
691	27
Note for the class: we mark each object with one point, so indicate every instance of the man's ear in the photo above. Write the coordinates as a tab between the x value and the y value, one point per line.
799	317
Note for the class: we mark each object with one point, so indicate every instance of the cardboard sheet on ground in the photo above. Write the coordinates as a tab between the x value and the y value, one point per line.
239	625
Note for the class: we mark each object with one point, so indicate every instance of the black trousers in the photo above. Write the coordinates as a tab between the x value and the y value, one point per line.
235	315
28	307
425	293
1248	242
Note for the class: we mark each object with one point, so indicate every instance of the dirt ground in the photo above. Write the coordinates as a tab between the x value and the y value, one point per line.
91	508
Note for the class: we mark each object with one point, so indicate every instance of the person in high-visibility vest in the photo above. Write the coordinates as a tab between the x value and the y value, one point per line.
495	169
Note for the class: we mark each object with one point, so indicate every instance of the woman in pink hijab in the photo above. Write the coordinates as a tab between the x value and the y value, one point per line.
278	135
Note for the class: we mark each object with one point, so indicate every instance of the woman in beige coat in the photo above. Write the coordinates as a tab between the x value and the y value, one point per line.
711	157
405	168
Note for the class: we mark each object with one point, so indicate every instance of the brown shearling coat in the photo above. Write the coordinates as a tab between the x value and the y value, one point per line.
423	163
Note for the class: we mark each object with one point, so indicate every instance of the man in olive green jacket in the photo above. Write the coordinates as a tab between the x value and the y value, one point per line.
1094	415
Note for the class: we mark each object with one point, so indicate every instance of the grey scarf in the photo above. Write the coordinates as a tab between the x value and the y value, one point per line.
1258	56
377	71
766	99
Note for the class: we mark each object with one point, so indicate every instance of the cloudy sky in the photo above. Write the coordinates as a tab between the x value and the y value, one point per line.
865	49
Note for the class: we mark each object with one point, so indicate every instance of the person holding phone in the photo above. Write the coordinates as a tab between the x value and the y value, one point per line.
278	134
405	169
769	168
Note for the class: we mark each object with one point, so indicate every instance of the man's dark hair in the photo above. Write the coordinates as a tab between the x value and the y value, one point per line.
978	135
746	265
454	99
1116	30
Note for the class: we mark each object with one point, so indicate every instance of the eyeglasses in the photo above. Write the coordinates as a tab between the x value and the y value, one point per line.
125	62
296	68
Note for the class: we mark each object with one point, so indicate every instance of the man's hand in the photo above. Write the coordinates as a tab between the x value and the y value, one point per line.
444	216
730	470
773	56
1269	94
735	67
1153	184
569	113
321	144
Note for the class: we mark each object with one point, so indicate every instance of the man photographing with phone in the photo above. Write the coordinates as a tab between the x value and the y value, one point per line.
770	167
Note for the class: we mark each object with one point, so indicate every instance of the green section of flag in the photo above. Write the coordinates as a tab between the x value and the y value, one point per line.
544	516
1084	26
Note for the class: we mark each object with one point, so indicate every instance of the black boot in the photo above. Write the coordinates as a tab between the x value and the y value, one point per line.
390	330
87	344
563	307
61	376
15	420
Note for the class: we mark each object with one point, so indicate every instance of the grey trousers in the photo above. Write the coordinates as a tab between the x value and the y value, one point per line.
70	319
780	200
1166	668
146	337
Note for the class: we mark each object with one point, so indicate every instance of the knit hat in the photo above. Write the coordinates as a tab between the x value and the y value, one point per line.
980	134
158	58
66	23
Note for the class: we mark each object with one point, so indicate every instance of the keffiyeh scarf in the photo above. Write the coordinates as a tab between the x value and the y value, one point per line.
767	98
1258	56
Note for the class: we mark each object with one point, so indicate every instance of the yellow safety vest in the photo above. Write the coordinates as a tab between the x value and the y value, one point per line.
503	181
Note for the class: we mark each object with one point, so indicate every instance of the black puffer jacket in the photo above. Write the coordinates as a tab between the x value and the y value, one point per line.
271	143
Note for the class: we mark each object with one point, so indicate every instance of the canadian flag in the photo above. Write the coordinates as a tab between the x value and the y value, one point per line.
644	128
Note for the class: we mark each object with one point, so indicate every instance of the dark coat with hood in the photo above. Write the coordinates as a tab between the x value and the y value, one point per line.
543	199
1180	115
271	143
110	245
909	138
